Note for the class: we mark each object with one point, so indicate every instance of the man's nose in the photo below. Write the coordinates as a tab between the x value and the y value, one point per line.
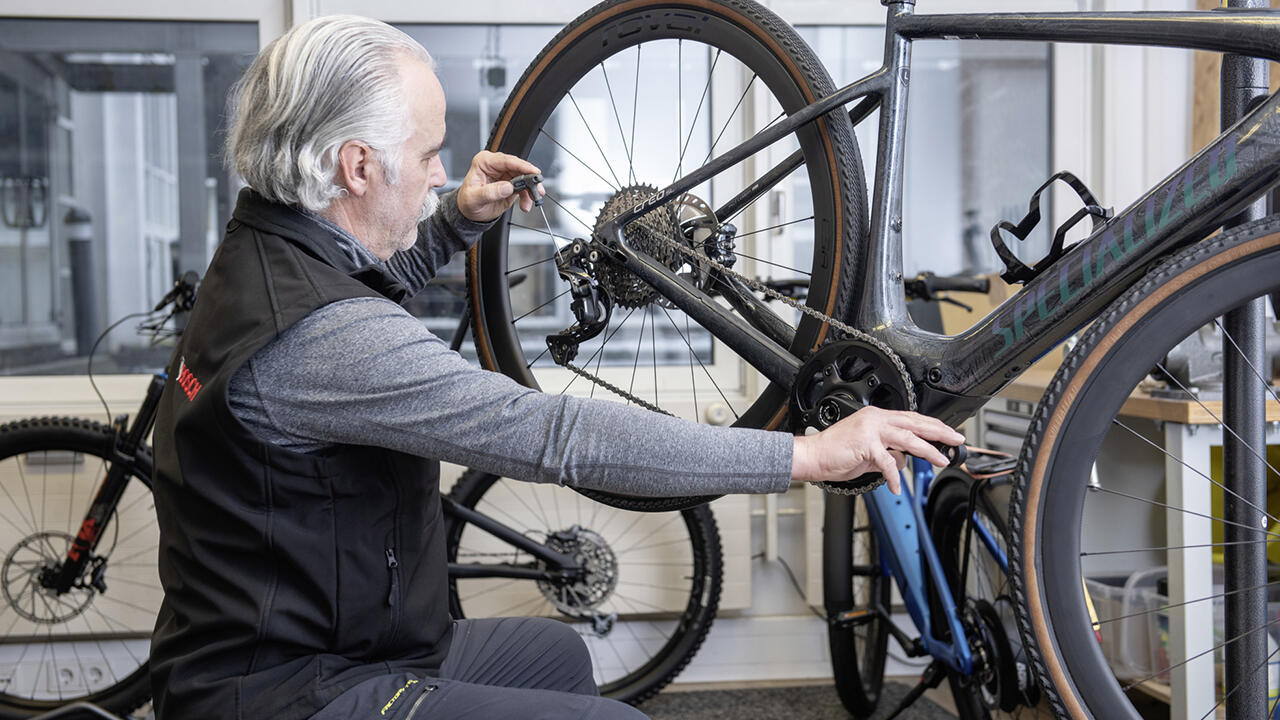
436	174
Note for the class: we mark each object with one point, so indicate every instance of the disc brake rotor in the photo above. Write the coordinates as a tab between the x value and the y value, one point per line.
25	568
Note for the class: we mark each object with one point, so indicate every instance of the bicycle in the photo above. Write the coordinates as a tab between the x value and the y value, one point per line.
1143	279
83	591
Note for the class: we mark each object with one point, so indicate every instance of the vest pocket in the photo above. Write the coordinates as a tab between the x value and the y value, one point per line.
393	567
394	601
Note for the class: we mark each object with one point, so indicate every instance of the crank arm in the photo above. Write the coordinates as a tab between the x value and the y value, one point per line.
860	616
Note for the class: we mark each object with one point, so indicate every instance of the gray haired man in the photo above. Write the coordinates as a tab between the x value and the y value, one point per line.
302	552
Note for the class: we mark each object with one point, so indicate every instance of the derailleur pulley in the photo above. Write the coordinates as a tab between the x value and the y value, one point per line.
590	301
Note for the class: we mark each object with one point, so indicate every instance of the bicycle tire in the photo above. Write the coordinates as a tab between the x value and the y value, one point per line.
791	74
102	667
664	629
858	651
1000	660
1053	498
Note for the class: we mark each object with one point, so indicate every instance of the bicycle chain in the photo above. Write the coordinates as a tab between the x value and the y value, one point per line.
848	330
614	388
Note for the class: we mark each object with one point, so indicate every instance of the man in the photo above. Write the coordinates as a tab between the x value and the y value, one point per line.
301	542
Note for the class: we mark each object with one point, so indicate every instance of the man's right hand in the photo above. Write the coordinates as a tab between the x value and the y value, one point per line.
870	440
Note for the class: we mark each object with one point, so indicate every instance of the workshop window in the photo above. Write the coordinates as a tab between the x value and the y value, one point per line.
111	179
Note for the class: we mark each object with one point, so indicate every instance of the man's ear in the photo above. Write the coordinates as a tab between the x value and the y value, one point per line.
355	162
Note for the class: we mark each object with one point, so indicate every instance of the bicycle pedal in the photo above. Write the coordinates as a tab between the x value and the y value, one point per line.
857	616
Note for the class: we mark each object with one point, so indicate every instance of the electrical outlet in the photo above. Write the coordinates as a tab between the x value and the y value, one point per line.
66	678
9	678
63	678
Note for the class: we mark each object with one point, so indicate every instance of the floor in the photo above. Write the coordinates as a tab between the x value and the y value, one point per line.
772	700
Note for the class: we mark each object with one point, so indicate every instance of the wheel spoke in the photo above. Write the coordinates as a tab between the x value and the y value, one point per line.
770	262
729	120
582	162
1225	428
631	165
693	124
704	367
773	227
1183	463
557	297
1157	503
603	156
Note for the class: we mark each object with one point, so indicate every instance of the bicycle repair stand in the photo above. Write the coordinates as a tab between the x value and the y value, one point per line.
1245	81
78	711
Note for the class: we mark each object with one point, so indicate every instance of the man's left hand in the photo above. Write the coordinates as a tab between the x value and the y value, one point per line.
485	192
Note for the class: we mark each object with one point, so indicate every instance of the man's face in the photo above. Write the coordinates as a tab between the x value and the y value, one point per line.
401	206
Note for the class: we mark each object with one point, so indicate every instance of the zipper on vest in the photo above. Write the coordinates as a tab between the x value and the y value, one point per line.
414	710
393	566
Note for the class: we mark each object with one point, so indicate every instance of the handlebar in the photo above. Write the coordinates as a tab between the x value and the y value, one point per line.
926	285
183	294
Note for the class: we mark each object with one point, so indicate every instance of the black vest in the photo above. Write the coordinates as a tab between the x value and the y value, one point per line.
288	577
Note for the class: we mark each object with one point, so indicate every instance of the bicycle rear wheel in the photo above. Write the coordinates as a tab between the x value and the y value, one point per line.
652	589
1098	496
852	580
967	522
91	643
628	97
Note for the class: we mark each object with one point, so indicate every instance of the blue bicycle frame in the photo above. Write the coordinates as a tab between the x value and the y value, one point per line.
908	555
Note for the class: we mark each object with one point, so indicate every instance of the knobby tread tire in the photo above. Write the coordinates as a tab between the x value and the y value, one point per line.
88	436
1194	267
858	680
705	536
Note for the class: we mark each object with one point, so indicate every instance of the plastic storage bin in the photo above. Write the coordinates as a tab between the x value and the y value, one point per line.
1147	589
1125	641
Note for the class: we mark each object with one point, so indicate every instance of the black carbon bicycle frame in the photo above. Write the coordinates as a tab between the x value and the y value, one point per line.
955	374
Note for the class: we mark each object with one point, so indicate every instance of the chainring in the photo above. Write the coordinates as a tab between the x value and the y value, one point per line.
837	380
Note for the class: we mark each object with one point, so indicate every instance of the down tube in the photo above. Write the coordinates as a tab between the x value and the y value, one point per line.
1186	206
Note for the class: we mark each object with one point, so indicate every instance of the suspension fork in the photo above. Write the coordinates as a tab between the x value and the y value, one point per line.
125	442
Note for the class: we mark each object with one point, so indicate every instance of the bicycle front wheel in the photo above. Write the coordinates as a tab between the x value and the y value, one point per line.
92	642
627	98
1101	493
649	593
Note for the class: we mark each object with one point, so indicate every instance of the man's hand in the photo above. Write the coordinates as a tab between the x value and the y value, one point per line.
869	440
485	193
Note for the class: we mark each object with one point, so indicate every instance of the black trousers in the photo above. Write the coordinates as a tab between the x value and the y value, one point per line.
499	668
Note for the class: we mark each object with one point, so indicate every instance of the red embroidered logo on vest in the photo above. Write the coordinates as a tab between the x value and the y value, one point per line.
187	381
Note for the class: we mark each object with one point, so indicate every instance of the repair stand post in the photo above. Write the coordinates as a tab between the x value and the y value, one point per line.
1245	81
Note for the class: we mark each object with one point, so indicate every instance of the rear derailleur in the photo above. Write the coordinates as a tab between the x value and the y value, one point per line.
590	301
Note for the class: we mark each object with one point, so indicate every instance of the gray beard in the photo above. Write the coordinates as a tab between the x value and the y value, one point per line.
429	206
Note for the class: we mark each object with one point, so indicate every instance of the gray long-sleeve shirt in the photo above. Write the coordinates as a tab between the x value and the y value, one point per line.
364	371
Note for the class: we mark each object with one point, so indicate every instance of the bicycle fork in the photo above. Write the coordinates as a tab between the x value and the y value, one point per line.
65	576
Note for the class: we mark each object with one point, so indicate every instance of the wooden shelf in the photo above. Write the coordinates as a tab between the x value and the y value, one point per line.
1030	387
